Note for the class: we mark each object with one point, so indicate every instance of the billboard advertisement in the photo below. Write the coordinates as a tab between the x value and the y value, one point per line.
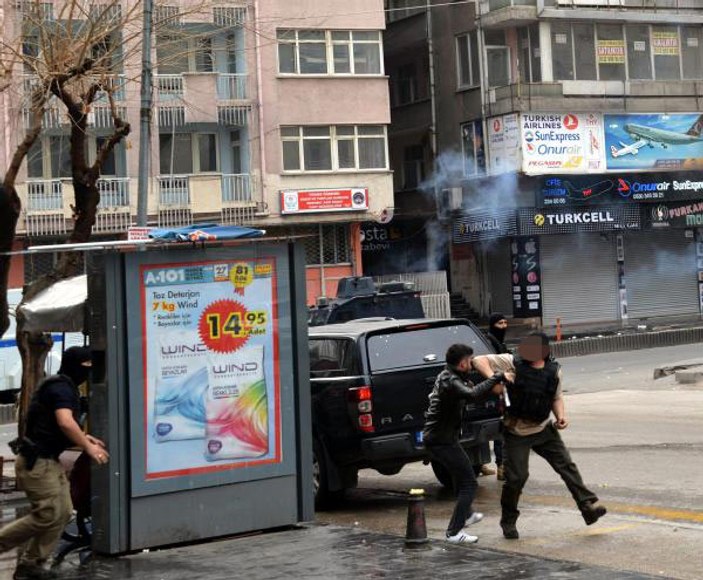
526	277
211	375
562	143
504	143
654	141
563	190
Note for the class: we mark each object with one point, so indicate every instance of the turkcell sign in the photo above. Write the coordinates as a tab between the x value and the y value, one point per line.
484	225
565	221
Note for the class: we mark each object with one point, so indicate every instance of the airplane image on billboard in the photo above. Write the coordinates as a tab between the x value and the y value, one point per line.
651	141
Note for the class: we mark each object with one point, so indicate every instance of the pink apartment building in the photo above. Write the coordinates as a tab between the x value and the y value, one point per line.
270	113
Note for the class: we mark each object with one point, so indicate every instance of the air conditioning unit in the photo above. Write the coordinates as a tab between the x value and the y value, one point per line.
448	202
451	198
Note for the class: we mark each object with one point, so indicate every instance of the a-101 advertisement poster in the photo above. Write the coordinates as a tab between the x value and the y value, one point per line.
211	366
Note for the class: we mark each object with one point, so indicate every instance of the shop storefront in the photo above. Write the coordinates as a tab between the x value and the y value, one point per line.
481	259
578	258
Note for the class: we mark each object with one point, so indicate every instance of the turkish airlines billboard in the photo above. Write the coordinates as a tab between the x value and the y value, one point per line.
562	143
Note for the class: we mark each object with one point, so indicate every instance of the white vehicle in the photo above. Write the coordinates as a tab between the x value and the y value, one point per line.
10	362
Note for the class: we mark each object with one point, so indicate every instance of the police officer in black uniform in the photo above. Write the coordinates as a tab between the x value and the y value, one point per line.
535	394
52	427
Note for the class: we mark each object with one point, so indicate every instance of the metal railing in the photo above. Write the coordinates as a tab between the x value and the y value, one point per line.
44	195
174	190
436	302
236	187
117	84
114	192
232	87
169	87
635	4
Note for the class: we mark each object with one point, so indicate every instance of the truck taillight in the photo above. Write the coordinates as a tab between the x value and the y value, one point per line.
361	398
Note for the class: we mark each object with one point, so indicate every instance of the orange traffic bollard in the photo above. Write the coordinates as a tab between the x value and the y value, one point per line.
416	532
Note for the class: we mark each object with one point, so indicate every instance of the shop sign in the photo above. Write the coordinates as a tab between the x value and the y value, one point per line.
484	225
613	188
571	220
526	277
562	143
379	237
211	366
611	51
665	43
654	141
324	200
504	143
689	215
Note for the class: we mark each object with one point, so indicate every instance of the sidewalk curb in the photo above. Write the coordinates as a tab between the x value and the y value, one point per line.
627	342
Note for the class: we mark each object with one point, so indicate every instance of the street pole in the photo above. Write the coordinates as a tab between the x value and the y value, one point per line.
145	118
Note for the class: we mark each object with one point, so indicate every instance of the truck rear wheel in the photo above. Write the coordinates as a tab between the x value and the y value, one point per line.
324	498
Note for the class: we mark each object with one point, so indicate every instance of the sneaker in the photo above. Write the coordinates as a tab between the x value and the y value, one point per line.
33	572
487	470
474	518
462	538
592	513
500	473
510	532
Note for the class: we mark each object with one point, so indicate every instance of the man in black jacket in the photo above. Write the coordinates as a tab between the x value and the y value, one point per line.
442	429
534	395
52	427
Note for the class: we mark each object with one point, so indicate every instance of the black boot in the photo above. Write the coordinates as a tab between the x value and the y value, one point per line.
509	530
592	513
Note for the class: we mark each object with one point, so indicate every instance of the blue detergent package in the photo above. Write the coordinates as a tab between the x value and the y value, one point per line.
181	388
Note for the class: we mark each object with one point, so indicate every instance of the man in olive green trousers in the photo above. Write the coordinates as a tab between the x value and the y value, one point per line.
52	427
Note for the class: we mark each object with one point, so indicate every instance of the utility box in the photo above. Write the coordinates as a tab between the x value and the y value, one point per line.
201	389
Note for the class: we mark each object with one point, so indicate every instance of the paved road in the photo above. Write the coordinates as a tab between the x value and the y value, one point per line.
638	443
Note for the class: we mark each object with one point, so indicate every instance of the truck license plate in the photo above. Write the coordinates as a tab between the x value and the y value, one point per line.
418	437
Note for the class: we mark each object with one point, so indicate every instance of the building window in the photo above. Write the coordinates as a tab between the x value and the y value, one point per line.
467	58
666	50
692	52
399	9
473	149
610	49
333	52
639	52
187	153
413	166
404	85
601	52
336	148
497	58
50	157
529	63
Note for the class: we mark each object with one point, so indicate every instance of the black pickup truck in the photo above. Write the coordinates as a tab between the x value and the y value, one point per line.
370	379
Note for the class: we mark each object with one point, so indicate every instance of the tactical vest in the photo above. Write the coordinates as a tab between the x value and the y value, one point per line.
532	394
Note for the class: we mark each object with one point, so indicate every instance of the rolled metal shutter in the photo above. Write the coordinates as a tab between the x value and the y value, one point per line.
498	268
660	274
579	278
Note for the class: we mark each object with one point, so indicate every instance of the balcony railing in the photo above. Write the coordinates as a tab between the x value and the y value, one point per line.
169	87
634	4
114	192
174	190
117	85
232	87
236	188
44	195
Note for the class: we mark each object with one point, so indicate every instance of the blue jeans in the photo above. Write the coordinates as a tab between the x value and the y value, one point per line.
454	459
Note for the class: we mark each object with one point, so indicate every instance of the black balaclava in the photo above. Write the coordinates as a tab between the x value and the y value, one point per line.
71	364
499	333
